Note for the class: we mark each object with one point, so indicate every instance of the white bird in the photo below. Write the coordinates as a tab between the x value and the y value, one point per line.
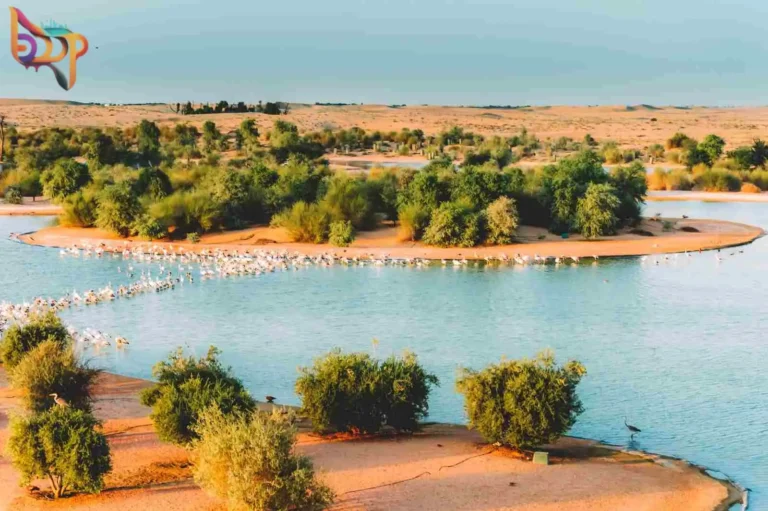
59	400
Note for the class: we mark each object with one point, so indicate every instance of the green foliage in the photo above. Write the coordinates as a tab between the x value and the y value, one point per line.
248	460
148	141
118	209
193	237
305	223
717	181
631	187
65	178
185	388
153	182
13	195
414	218
522	403
713	146
562	186
62	445
20	340
149	228
186	212
342	234
597	211
678	141
80	208
50	368
455	225
352	392
347	199
502	220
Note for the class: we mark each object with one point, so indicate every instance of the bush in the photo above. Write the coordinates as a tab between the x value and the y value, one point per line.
305	223
502	220
80	209
62	445
64	178
193	237
455	225
248	460
20	340
352	392
186	387
596	211
757	177
750	188
118	209
522	403
717	181
657	180
413	219
678	179
13	195
342	234
151	229
49	369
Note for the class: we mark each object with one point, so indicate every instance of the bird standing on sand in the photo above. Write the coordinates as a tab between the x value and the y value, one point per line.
632	429
270	399
60	401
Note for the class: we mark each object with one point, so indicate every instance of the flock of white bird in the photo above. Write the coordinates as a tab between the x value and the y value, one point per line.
163	267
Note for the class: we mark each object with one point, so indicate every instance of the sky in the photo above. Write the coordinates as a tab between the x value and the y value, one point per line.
461	52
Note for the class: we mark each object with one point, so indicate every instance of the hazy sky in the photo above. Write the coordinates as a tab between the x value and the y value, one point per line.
677	52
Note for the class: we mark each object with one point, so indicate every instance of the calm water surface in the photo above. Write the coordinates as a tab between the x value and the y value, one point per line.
679	348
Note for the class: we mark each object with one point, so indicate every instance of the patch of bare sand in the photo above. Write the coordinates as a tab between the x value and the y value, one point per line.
39	207
681	195
711	234
444	467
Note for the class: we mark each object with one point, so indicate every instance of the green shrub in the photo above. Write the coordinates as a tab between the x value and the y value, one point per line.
305	223
150	228
13	195
678	179
352	392
347	199
248	460
186	387
342	234
413	219
757	177
522	403
20	340
596	211
118	209
502	220
49	369
717	181
80	209
63	446
193	237
64	178
455	225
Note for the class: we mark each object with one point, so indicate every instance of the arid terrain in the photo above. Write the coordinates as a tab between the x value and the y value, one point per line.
630	126
444	467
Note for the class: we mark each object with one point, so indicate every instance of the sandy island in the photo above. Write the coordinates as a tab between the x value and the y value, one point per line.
531	241
443	467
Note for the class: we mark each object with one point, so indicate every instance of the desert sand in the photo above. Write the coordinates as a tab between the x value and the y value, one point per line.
39	207
631	126
383	242
443	467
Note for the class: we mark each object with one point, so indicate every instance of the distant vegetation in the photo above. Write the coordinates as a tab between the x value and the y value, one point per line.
224	107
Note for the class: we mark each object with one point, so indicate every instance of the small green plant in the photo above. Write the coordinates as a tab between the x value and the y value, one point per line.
63	446
342	234
248	460
305	223
667	226
50	368
187	386
13	195
522	403
193	237
20	340
355	393
413	220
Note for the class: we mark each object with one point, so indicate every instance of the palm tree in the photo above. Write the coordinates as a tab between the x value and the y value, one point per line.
759	153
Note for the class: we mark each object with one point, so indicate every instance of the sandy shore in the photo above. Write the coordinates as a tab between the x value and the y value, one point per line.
40	207
712	234
444	467
679	195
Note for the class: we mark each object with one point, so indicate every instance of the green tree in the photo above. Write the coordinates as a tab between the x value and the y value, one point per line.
185	388
249	461
19	340
118	209
63	446
631	186
522	403
503	220
414	218
50	368
212	137
341	233
153	182
713	146
148	141
65	178
597	211
455	225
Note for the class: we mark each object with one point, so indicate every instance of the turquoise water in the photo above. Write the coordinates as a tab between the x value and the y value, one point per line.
677	348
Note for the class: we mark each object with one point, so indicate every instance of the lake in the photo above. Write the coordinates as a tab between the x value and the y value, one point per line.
678	348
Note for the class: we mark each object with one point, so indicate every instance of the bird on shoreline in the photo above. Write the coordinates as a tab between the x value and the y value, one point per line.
632	429
60	401
270	399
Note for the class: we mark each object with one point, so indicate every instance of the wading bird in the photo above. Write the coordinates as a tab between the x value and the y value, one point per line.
632	429
59	400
